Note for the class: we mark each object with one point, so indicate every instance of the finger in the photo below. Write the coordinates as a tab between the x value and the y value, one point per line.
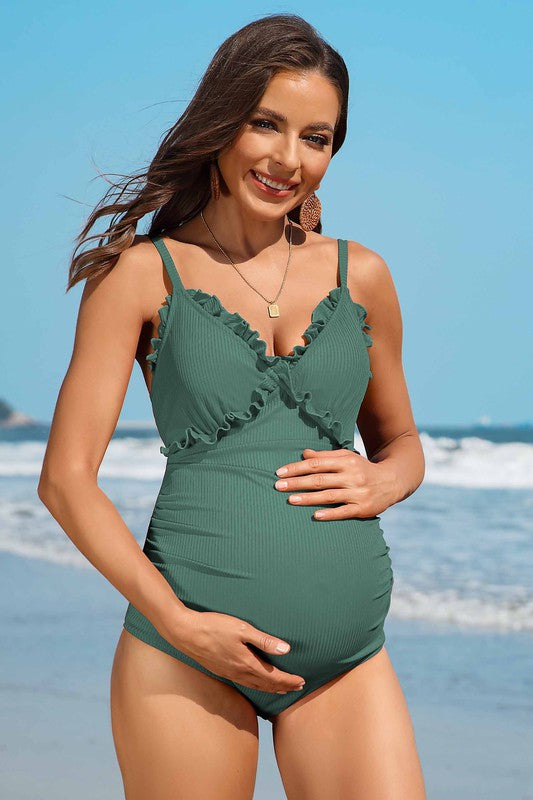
347	511
251	679
316	481
314	464
281	682
265	641
277	677
270	677
273	688
334	453
325	497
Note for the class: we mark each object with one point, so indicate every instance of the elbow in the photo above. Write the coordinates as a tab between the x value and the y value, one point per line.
47	488
54	484
422	459
41	491
44	485
421	466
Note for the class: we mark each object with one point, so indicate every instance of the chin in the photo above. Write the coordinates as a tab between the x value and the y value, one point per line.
264	213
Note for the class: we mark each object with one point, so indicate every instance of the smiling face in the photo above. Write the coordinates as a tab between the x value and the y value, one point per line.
287	139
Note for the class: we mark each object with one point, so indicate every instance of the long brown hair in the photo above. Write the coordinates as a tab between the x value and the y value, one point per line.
176	185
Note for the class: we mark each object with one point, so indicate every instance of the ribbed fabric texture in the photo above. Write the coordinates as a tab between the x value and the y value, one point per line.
223	537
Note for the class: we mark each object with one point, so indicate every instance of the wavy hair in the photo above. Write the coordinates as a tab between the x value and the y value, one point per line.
176	185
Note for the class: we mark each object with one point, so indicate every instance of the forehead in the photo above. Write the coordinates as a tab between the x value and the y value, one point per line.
303	97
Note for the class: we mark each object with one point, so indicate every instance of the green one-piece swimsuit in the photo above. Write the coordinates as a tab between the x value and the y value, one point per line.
221	534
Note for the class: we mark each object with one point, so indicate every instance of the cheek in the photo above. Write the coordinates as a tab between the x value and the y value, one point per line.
251	149
314	168
237	162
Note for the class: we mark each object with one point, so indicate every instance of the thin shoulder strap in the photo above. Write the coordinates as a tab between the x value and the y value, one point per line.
343	260
167	261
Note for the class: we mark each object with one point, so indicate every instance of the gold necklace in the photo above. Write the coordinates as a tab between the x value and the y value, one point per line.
273	307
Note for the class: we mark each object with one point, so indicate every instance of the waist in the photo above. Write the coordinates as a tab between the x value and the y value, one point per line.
238	451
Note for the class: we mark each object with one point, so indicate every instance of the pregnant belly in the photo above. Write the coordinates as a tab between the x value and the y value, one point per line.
226	540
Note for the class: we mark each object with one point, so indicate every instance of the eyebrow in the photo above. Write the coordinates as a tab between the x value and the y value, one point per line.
314	126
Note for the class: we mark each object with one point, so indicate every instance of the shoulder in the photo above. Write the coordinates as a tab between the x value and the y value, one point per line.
138	278
363	263
366	264
370	279
139	260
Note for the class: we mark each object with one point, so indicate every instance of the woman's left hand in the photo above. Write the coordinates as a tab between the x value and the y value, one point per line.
364	488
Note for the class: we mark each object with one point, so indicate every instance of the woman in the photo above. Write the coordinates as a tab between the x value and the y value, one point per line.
253	594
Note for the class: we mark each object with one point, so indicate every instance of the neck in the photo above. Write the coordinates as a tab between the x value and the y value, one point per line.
242	235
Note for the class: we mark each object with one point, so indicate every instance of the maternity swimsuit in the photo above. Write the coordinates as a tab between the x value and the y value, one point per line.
222	536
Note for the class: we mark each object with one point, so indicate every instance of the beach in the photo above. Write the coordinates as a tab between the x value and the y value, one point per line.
459	632
59	631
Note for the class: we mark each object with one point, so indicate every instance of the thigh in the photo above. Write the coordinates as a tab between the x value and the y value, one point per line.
351	738
178	733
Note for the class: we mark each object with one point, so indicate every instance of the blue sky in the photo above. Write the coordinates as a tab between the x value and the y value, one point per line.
435	174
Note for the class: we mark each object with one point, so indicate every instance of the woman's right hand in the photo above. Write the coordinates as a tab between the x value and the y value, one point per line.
219	642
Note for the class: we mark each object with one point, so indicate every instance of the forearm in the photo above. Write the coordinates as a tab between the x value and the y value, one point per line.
95	527
404	457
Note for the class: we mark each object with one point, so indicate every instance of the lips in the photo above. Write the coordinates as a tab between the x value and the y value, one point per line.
286	184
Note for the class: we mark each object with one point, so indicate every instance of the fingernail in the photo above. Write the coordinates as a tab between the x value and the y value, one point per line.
281	692
282	648
281	484
295	498
301	687
281	471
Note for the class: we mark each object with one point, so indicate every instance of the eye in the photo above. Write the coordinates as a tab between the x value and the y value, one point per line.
322	140
257	122
316	139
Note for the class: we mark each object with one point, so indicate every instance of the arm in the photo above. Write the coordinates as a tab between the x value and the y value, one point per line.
113	309
386	419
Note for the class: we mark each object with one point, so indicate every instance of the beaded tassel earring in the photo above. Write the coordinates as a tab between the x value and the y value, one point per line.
310	212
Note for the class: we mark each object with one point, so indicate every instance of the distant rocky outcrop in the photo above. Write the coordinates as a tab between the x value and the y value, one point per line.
10	418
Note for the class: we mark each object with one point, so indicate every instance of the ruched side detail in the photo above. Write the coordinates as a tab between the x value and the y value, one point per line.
156	341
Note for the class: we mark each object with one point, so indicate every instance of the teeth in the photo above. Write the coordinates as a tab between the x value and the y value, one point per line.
272	184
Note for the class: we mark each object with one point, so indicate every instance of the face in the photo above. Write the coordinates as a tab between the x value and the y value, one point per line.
287	139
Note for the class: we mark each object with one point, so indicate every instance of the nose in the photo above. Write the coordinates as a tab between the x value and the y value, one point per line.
286	153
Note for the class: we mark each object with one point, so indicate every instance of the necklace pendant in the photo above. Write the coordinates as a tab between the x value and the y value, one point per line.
273	310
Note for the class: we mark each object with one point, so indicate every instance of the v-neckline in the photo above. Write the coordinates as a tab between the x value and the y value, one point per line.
253	334
337	292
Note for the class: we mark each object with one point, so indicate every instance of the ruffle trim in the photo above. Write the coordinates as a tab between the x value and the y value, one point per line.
278	374
156	341
362	315
323	419
319	318
231	418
